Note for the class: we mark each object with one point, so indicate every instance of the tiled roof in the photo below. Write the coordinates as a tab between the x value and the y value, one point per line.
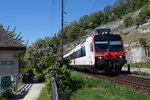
6	41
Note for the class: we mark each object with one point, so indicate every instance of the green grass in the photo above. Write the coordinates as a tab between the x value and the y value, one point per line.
96	89
44	95
84	88
141	64
141	73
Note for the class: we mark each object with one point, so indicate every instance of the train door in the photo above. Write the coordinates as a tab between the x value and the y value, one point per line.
91	54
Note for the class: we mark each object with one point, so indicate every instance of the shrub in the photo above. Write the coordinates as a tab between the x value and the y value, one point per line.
142	41
128	21
6	95
143	16
63	78
43	57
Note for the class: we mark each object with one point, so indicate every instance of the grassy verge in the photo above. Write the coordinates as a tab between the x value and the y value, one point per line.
95	89
6	95
141	64
43	95
141	73
84	88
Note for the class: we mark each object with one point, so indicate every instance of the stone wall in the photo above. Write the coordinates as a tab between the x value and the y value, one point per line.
9	63
136	53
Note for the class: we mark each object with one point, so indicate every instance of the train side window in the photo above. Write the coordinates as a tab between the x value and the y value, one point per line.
83	51
91	47
79	53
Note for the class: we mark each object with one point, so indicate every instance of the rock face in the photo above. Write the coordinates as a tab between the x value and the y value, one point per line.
136	53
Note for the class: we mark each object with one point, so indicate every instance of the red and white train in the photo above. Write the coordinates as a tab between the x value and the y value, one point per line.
102	51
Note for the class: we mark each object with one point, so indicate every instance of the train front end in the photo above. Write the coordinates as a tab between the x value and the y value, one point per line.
109	52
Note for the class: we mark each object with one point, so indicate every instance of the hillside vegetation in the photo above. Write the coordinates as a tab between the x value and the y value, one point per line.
120	10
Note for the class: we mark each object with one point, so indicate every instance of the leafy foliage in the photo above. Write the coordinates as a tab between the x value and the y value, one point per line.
109	14
43	57
18	38
143	16
143	41
6	95
128	21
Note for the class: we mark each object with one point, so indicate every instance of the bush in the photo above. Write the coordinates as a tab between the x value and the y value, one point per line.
42	57
6	95
143	16
63	78
142	41
128	21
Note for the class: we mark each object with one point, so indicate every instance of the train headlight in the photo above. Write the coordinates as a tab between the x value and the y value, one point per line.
100	58
120	57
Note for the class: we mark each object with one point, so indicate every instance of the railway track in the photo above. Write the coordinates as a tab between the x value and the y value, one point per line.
137	83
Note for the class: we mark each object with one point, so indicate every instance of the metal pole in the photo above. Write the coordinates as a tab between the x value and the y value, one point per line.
62	29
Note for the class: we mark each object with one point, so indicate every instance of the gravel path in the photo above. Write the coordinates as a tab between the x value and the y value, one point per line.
29	92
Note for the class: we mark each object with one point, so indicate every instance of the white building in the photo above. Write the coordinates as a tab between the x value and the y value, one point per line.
9	54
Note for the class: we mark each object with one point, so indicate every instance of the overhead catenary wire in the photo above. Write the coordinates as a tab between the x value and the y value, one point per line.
52	14
101	4
62	23
94	5
105	2
65	5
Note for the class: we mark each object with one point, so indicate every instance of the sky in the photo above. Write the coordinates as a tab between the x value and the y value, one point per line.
40	18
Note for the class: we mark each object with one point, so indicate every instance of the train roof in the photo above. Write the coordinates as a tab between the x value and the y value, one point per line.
101	31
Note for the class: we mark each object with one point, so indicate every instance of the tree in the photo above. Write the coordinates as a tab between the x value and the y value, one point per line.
128	21
110	13
73	31
139	4
143	16
107	9
84	21
18	38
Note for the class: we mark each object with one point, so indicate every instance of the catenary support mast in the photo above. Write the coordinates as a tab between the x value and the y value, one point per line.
62	28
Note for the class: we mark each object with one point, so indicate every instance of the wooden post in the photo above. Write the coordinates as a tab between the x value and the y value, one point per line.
66	96
129	68
139	70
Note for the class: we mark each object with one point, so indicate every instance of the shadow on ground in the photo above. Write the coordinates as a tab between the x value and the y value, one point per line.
22	92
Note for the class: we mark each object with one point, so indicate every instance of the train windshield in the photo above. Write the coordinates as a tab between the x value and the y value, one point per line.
101	43
115	43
